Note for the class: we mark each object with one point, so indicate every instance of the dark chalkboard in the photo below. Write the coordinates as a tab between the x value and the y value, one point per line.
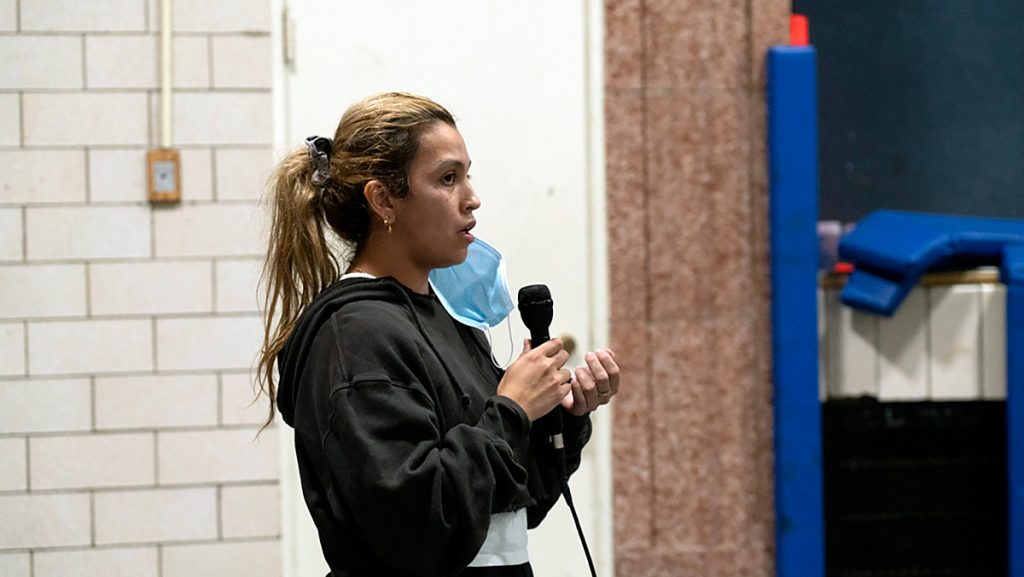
921	105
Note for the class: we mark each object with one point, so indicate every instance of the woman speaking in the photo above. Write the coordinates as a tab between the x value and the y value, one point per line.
414	449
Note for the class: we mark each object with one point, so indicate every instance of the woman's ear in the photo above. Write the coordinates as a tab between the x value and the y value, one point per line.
380	201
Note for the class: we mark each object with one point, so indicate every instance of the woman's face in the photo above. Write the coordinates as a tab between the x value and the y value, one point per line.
434	220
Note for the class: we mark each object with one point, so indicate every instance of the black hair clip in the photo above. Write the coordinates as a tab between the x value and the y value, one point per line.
320	156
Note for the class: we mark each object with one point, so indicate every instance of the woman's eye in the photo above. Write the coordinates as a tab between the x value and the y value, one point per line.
448	178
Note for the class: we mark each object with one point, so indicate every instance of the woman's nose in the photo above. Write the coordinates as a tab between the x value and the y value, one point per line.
473	201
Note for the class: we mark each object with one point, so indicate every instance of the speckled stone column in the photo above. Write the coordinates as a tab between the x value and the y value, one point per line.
687	224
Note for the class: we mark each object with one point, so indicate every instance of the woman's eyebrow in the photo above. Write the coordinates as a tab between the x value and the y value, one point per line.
452	162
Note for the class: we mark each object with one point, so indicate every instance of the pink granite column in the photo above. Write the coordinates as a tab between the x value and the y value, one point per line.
687	224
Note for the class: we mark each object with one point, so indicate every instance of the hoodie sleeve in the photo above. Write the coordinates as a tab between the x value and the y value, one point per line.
420	491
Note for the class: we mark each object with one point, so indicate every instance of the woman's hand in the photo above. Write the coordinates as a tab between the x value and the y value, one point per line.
536	380
595	383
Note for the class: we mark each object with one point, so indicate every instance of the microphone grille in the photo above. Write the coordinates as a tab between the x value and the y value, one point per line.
534	293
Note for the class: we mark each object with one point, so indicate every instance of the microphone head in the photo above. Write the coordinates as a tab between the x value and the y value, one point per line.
536	307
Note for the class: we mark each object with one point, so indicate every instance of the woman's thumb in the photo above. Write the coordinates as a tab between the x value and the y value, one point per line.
526	346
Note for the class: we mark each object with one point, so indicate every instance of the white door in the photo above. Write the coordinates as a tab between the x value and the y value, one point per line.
519	76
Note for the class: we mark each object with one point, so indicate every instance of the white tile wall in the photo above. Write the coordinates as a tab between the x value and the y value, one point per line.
42	176
11	234
84	288
10	120
156	401
192	62
39	290
993	341
242	173
88	232
8	23
15	565
250	511
40	62
237	404
216	456
151	287
197	174
149	516
129	562
42	406
99	460
75	15
208	230
12	349
252	559
222	15
222	118
208	343
85	118
241	62
237	285
94	346
117	175
121	61
13	466
45	520
954	333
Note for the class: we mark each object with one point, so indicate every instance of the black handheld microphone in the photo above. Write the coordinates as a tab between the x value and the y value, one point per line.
537	310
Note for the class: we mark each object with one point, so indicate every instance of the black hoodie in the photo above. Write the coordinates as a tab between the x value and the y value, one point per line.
404	449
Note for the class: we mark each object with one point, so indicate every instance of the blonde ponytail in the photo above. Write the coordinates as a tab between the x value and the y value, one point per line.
299	262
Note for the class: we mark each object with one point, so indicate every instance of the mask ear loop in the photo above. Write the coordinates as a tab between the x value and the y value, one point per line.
490	343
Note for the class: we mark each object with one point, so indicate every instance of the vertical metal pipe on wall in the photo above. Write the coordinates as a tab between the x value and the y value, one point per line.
166	73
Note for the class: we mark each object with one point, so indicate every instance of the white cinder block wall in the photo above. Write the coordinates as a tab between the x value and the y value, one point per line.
128	332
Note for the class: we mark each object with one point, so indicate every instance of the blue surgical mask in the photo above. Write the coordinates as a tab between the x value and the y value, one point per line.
475	292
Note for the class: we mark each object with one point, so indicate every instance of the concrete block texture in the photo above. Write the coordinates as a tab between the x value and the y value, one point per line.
88	232
8	19
153	402
217	456
42	290
15	565
127	562
151	287
192	62
242	173
156	515
13	467
10	120
197	174
11	235
208	343
209	230
241	62
121	61
222	15
92	461
30	62
117	175
45	406
46	520
222	118
239	404
77	16
85	118
237	285
42	176
12	349
252	559
250	511
90	346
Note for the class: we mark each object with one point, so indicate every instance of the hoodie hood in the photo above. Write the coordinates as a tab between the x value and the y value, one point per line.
292	358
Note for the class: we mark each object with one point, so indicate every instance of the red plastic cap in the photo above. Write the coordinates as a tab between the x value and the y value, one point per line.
799	30
844	267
